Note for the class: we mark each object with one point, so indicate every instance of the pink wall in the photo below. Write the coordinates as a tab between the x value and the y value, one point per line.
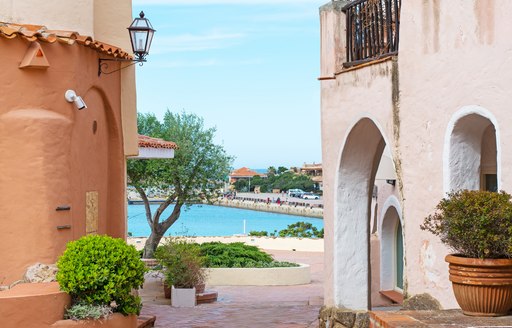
454	58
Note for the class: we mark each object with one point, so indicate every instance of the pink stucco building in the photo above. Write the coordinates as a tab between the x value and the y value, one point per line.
428	84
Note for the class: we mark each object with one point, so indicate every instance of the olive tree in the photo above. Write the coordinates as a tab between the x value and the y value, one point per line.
195	174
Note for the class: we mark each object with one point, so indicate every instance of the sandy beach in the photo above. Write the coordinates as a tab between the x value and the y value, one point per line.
269	243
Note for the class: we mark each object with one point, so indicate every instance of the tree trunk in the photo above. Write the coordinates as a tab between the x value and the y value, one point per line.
159	229
151	245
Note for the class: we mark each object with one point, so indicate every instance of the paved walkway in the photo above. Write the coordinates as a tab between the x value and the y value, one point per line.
246	306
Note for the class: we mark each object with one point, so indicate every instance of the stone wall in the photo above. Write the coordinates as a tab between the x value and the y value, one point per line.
332	317
308	211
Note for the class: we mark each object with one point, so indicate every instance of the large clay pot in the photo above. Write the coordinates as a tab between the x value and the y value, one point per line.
481	287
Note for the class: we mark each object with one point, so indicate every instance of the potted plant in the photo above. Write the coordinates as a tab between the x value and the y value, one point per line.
184	270
477	226
100	274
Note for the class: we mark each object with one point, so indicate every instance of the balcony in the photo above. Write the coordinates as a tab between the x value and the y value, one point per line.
373	28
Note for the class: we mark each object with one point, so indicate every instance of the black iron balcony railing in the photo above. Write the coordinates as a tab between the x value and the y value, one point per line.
373	28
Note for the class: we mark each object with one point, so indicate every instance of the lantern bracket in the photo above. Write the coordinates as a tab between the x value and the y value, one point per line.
141	34
103	66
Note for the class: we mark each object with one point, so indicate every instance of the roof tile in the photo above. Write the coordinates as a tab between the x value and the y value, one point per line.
41	33
150	142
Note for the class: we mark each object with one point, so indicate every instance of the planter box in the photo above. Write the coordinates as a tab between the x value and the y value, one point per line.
116	320
300	275
183	297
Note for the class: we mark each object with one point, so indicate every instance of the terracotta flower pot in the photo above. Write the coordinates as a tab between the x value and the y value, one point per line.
167	290
481	287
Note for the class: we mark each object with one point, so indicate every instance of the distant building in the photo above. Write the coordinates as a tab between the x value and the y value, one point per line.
315	172
244	173
150	147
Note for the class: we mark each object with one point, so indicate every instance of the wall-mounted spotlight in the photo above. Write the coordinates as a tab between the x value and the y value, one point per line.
71	97
141	34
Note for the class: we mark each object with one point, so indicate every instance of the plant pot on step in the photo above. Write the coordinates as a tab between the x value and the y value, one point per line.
183	297
476	225
167	290
482	287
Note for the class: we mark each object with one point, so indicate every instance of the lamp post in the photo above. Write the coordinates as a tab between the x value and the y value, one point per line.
141	34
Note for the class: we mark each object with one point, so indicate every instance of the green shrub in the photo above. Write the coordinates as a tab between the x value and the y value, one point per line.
474	223
258	233
301	230
183	263
99	270
233	255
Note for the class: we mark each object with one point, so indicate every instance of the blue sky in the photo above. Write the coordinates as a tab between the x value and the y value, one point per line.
247	67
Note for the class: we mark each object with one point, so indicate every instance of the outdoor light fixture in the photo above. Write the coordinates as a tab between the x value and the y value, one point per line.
71	97
141	35
391	181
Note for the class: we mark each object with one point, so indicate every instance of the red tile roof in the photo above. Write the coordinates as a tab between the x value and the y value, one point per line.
41	33
245	172
149	142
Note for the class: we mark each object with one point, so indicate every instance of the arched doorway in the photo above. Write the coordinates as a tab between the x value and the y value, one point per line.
471	151
360	157
392	247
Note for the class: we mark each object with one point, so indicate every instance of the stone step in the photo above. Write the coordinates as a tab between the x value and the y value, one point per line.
145	321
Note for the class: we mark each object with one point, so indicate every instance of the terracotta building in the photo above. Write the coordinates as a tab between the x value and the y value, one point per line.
315	172
64	163
428	81
243	173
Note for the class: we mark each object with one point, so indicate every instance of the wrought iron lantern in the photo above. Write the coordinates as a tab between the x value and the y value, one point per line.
141	34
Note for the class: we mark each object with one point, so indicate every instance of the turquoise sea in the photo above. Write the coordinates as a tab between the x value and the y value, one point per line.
208	220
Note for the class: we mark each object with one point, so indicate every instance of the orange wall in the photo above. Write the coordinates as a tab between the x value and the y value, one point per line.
50	155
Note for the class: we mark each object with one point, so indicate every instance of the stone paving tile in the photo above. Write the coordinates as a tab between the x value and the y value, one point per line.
219	315
245	306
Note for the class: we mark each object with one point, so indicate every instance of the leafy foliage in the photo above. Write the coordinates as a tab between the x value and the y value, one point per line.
195	174
302	230
474	223
280	178
238	255
183	263
83	311
299	229
99	270
258	233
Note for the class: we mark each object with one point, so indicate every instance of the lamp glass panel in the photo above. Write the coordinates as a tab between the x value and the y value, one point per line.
139	39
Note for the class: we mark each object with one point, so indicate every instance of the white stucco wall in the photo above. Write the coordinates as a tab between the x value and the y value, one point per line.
76	15
453	55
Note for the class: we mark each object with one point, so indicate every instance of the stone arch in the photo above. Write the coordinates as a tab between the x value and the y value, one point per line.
355	178
391	217
470	133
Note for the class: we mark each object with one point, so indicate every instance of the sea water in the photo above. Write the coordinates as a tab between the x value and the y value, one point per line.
209	220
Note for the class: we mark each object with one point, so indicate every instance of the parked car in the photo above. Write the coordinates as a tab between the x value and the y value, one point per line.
295	192
309	195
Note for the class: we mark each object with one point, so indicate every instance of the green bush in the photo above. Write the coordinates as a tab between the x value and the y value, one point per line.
233	255
302	230
258	233
100	270
238	255
474	223
183	263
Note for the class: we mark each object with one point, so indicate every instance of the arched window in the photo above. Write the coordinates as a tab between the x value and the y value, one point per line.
471	158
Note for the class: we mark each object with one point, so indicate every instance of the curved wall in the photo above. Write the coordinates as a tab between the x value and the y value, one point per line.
51	156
